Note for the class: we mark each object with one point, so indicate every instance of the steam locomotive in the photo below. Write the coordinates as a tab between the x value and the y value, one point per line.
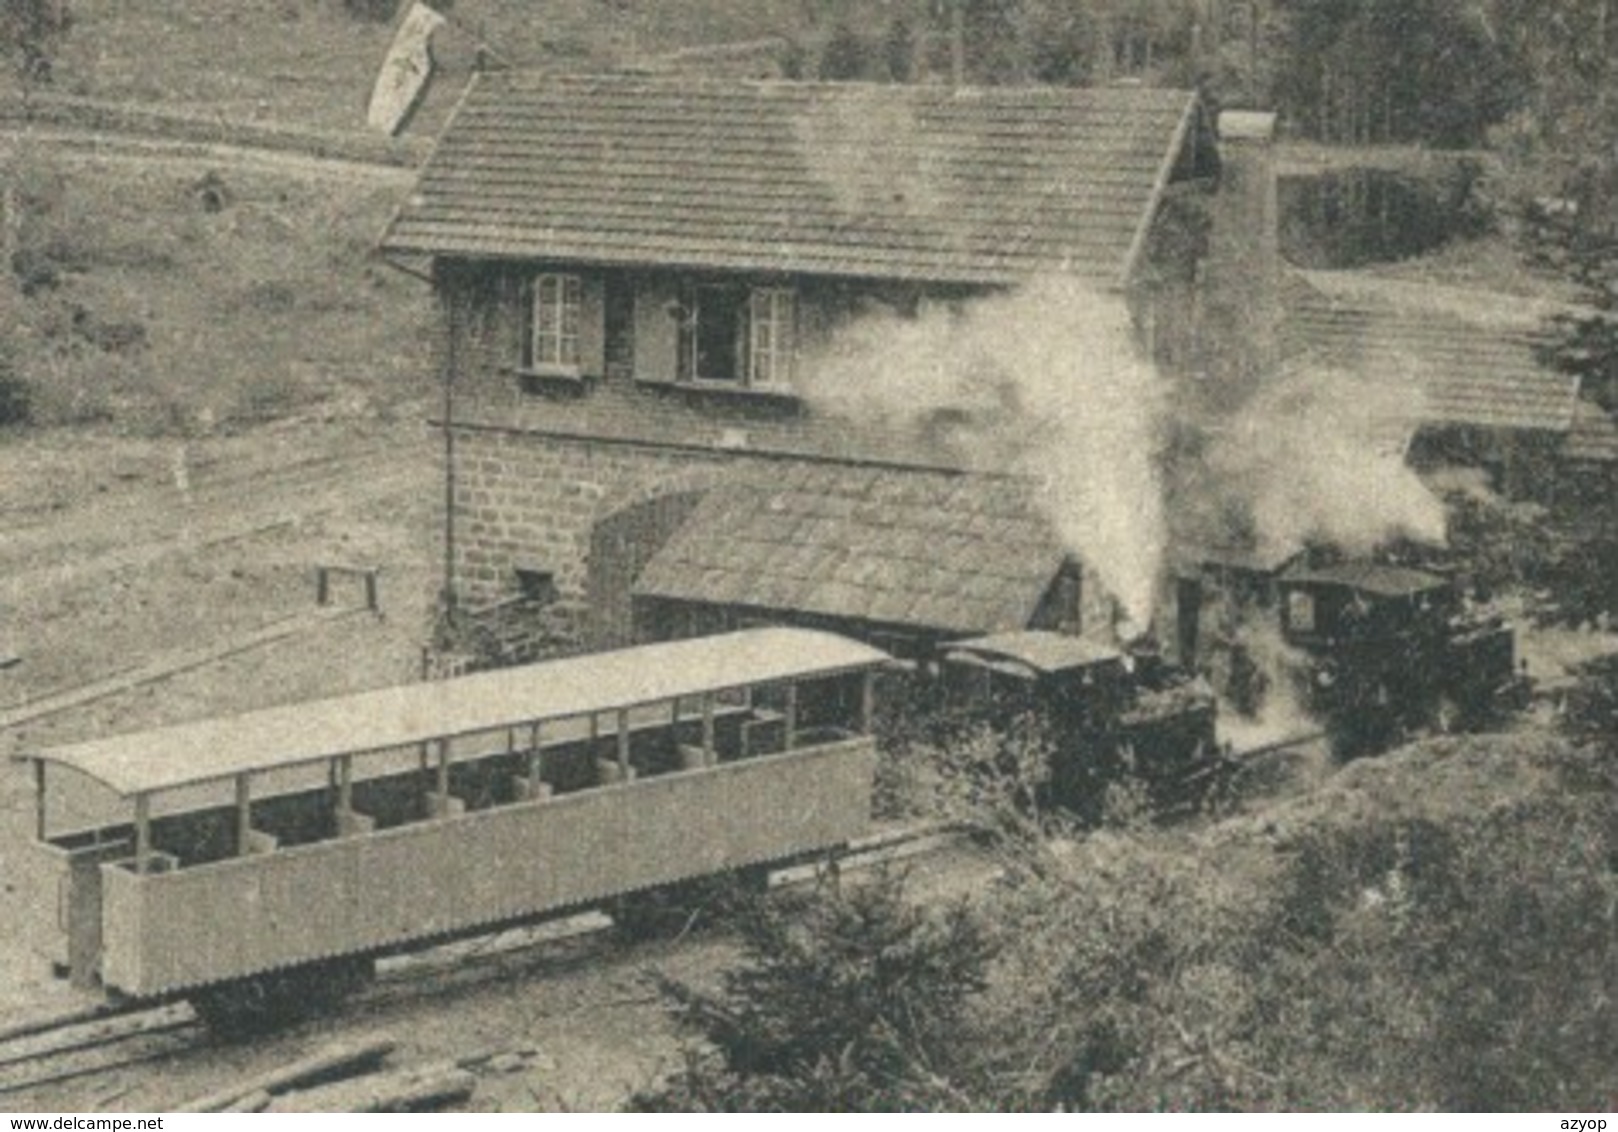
1393	650
1107	713
1375	651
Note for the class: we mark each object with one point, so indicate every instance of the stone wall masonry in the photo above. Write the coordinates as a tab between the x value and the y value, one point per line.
530	500
525	497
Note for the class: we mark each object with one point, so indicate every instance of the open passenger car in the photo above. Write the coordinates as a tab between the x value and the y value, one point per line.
261	850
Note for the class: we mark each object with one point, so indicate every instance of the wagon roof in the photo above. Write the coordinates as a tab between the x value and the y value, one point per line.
1040	650
889	181
401	716
1369	577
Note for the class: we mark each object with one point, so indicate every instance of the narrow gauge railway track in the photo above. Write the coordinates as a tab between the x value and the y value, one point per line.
90	1043
280	501
221	483
85	1044
80	1047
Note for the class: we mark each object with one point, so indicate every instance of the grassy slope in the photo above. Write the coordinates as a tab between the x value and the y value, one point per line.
307	61
274	302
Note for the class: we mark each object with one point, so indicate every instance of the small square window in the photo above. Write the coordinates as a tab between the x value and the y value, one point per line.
536	584
1301	612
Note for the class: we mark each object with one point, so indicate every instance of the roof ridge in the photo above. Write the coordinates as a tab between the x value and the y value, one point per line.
888	180
541	76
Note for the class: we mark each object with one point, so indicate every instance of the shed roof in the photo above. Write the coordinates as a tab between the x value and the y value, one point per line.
1473	357
949	553
1594	435
881	181
212	749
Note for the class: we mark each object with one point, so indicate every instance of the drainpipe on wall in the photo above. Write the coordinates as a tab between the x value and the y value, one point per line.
957	45
451	327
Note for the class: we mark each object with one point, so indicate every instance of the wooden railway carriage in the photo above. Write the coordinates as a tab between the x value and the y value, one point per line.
207	858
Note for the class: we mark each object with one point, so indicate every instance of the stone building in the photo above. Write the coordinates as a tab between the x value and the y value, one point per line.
631	268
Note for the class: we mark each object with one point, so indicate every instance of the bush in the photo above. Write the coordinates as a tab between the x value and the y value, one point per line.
1591	712
1352	217
267	398
1448	945
16	397
853	1000
380	11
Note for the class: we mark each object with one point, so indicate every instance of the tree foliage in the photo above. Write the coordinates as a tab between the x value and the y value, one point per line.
1438	929
1430	71
856	1000
1577	235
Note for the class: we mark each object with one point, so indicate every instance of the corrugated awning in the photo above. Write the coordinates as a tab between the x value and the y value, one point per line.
952	554
399	717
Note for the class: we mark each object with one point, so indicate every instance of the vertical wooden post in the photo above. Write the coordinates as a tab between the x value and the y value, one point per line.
345	783
371	602
790	725
623	742
244	815
867	701
10	218
708	728
143	831
39	799
536	758
957	44
322	585
443	776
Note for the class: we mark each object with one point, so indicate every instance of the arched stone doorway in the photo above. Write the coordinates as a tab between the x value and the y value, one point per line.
621	544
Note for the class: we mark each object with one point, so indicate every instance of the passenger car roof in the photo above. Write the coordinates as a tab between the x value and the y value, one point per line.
294	734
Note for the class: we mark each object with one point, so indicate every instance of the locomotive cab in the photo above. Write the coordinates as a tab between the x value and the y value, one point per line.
1105	713
1392	649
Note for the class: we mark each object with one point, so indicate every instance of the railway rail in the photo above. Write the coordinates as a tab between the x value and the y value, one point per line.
81	1045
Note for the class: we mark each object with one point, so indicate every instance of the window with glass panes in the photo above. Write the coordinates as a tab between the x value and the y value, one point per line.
552	341
771	317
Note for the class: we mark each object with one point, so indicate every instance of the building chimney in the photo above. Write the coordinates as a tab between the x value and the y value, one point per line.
1242	273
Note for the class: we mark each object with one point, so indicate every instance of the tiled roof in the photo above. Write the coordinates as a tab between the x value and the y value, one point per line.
883	181
951	553
1474	361
1594	435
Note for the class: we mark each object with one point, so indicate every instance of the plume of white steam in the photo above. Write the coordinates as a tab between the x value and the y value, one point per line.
1280	711
1046	381
1318	455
